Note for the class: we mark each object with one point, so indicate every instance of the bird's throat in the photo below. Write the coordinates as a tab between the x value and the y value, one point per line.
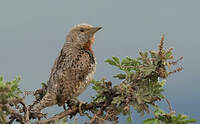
88	45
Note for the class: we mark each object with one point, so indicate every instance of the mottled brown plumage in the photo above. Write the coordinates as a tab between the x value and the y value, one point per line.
73	68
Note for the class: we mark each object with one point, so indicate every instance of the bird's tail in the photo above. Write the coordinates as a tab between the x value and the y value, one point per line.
48	100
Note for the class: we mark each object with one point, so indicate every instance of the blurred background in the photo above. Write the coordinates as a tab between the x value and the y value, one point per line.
33	32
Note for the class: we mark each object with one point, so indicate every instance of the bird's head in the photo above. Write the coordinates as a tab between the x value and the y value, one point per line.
82	36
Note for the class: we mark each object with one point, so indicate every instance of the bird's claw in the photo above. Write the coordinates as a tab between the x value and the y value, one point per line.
64	107
80	109
75	102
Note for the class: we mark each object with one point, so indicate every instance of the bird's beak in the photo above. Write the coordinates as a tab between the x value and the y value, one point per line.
94	29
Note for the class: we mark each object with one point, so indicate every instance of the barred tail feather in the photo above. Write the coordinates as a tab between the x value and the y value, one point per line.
48	100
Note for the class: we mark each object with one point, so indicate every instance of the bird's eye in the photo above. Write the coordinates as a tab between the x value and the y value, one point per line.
81	30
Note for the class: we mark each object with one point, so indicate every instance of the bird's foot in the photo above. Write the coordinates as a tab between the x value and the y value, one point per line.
71	103
75	102
80	108
80	104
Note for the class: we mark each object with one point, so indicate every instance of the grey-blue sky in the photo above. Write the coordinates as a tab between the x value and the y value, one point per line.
32	33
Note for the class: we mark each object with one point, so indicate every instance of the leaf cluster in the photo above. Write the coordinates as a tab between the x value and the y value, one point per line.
8	91
162	117
143	81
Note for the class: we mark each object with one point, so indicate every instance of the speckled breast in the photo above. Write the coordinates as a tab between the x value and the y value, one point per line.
87	80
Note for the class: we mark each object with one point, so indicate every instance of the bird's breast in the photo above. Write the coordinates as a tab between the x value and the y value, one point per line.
89	77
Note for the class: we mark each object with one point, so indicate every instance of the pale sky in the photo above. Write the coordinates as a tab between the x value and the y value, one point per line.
33	32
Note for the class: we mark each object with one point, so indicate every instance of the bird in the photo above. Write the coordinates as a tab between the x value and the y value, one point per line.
73	69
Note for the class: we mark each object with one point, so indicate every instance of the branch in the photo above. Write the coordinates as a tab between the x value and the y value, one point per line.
70	112
92	121
15	115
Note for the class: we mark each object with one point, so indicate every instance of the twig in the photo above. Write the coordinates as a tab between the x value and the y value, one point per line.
15	115
161	45
26	110
98	113
95	116
169	105
93	119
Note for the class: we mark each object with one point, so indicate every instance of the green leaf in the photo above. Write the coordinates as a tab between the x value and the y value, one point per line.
1	78
120	76
116	59
111	62
135	62
156	121
162	83
168	54
125	61
146	54
116	100
44	84
139	100
148	121
191	121
142	54
129	118
154	54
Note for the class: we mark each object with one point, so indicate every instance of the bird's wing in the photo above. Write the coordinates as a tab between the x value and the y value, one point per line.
74	64
69	73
